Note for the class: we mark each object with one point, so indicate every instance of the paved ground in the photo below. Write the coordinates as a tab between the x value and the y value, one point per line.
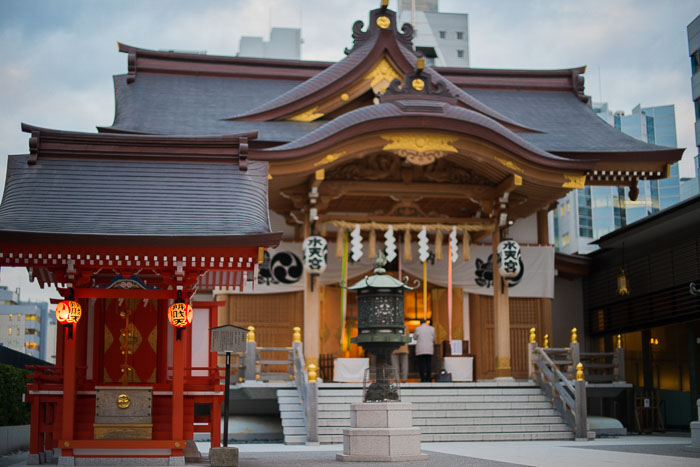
638	451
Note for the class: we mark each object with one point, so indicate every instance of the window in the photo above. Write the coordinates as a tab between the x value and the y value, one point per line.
19	317
460	35
561	210
9	331
565	239
31	318
32	332
10	316
442	34
697	109
568	206
460	53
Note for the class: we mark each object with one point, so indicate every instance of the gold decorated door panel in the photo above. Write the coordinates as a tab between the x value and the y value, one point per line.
130	340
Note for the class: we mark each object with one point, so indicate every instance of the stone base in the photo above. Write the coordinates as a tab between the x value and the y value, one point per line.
695	435
381	432
34	459
223	457
366	458
381	443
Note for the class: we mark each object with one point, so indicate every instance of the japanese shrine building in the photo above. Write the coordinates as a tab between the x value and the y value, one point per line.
374	141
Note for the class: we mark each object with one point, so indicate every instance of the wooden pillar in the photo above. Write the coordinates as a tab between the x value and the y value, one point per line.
312	313
542	227
69	390
178	404
501	315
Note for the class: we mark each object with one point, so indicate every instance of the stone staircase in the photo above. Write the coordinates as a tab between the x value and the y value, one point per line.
292	416
480	411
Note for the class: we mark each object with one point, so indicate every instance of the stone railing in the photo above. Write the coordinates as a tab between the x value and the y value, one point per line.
251	367
568	394
307	386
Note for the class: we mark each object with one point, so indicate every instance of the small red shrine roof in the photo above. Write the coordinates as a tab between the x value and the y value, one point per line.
135	201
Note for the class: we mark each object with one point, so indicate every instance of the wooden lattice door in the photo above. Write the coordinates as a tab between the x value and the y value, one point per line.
525	313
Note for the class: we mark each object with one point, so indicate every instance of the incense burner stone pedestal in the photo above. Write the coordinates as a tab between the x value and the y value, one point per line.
381	432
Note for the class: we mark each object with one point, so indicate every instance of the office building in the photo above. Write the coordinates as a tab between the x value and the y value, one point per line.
284	43
587	214
443	38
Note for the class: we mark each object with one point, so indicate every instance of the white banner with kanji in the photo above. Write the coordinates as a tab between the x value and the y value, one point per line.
282	271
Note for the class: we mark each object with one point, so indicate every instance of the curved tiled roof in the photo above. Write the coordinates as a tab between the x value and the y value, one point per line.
130	186
416	107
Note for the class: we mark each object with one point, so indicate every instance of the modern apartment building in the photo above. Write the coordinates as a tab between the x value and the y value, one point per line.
26	326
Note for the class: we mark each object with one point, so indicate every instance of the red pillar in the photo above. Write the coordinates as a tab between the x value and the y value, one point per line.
178	387
68	402
34	433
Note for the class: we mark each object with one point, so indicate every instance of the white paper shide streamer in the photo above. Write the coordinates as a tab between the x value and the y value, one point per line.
453	245
356	242
390	244
423	250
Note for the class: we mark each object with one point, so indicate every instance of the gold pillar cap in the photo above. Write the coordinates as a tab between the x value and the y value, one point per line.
533	336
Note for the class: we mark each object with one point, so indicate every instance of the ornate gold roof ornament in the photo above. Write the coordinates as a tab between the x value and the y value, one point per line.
419	148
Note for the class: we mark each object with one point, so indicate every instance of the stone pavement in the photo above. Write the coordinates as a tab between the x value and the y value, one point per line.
639	451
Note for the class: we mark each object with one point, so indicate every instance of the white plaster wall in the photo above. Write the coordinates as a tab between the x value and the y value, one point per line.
524	230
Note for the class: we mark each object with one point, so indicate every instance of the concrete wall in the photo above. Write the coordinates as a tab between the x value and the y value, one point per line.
13	438
567	311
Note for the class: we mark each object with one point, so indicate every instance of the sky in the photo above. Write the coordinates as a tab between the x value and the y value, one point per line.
57	57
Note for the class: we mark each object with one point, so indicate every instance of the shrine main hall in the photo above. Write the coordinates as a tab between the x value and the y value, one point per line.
216	169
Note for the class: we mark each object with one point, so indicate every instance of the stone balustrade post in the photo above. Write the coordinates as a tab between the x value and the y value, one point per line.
251	359
619	360
531	346
311	406
581	427
574	352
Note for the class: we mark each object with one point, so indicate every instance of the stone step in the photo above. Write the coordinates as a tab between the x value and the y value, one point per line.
474	421
496	436
292	416
454	405
452	429
338	439
437	398
299	439
451	414
293	430
293	421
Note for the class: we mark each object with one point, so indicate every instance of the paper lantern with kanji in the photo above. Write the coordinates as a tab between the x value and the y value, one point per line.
180	314
509	259
68	311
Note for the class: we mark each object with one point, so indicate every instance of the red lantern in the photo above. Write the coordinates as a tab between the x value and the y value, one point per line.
68	311
180	314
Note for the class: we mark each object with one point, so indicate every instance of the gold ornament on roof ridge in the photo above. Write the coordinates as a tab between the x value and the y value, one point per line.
382	74
419	149
418	84
383	22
